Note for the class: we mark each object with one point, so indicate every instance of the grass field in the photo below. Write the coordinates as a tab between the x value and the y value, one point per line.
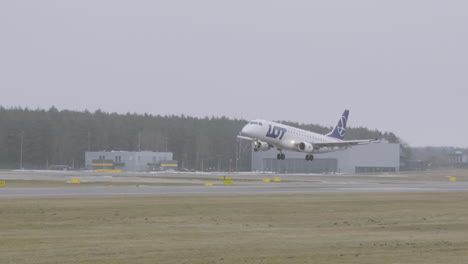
318	228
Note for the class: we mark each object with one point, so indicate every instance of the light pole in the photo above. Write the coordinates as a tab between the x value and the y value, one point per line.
21	150
139	140
89	140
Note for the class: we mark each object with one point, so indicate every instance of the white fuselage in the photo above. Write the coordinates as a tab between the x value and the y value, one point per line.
286	137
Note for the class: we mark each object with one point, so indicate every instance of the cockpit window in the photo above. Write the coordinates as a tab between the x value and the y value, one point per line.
256	123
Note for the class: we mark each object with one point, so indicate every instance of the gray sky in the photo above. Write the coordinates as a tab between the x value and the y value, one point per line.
399	66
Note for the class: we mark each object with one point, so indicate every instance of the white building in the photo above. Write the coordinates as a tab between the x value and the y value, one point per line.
130	160
374	157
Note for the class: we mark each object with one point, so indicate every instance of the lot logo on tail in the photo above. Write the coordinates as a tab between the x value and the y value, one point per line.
340	129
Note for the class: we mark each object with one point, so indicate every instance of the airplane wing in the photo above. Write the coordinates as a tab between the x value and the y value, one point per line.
246	138
347	143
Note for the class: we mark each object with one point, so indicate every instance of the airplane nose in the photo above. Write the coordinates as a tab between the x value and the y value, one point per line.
242	132
246	130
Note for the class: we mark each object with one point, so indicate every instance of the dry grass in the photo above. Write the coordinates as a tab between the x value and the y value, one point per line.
318	228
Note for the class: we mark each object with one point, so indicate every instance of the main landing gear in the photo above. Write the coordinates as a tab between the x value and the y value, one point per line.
309	157
280	156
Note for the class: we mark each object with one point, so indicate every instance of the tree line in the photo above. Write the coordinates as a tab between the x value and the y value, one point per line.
41	138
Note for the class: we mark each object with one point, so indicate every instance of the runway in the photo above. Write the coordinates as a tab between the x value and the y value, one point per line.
285	188
32	184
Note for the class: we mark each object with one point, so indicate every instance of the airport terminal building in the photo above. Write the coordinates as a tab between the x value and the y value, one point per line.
374	157
137	161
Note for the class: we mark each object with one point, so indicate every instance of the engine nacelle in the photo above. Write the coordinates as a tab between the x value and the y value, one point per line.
305	147
261	146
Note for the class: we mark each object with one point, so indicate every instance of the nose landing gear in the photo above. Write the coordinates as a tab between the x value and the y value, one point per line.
309	157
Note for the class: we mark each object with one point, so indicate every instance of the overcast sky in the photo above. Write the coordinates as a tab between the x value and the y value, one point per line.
399	66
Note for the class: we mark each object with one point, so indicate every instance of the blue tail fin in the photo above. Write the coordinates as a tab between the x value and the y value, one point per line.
340	128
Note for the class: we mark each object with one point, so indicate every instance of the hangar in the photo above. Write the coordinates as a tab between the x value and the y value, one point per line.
375	157
137	161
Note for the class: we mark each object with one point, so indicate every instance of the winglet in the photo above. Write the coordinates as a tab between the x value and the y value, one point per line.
339	131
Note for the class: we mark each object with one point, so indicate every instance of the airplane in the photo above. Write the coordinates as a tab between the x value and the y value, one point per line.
266	135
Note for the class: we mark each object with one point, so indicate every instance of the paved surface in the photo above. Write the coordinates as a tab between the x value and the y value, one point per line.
270	188
245	184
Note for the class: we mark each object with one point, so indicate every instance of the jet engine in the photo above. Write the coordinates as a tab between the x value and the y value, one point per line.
261	146
305	147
